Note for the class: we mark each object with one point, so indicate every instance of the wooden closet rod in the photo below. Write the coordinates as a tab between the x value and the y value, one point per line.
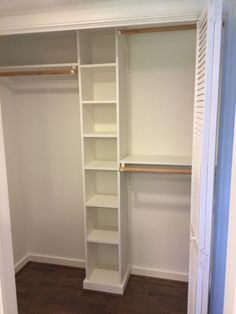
171	28
157	170
39	72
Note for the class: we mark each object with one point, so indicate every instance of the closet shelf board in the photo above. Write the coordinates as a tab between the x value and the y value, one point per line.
105	280
104	277
99	102
98	66
102	165
103	200
185	161
104	236
101	135
38	66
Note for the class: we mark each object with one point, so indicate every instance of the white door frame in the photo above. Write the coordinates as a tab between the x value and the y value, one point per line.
230	281
8	302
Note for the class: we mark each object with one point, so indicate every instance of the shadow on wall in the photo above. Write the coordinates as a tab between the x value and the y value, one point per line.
161	192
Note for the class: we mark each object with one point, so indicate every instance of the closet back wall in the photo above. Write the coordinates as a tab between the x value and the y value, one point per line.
161	89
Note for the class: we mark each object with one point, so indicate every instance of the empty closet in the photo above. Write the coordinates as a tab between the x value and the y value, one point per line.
103	130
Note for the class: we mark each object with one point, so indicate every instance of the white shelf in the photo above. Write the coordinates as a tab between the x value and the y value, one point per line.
102	165
98	65
99	102
37	67
103	200
100	135
185	161
104	236
106	281
105	277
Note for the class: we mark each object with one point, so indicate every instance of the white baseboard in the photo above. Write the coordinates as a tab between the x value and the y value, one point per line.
80	263
20	264
159	273
57	260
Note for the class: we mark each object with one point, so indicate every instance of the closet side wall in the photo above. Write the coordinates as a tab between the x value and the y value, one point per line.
47	159
20	214
51	161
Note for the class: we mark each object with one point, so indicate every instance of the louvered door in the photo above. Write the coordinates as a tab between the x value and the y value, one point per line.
204	145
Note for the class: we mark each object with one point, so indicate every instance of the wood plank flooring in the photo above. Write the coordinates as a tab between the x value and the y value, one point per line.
44	289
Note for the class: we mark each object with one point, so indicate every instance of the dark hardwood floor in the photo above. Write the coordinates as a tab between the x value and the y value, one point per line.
44	289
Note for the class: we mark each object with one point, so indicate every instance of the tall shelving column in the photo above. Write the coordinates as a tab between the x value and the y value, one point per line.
99	108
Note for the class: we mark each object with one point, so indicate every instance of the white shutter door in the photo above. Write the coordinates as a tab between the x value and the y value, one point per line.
203	161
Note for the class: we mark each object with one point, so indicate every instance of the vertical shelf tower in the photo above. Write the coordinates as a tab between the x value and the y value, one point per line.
105	219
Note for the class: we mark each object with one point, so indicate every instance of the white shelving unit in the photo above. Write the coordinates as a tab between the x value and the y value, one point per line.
99	103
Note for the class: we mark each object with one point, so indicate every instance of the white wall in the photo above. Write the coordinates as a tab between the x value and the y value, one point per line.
159	225
42	135
51	161
20	214
161	89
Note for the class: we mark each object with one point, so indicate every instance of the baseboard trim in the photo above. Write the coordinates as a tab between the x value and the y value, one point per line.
21	263
159	273
57	260
80	263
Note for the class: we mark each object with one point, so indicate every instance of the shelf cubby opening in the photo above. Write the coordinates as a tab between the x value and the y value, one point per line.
100	153
100	119
103	265
101	188
98	83
97	46
99	218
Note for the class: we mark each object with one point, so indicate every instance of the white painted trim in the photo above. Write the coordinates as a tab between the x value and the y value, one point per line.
159	273
57	260
230	280
145	20
80	263
103	14
8	302
21	263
